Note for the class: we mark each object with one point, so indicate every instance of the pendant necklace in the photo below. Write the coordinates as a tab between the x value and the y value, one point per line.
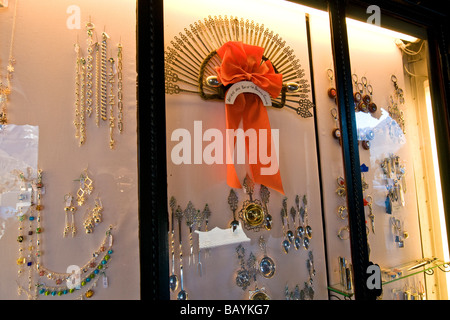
5	87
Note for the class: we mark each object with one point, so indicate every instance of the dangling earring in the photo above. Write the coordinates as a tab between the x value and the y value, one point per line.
69	209
332	93
86	187
97	212
94	217
88	223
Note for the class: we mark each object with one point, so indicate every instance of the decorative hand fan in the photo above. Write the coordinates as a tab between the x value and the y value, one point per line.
219	59
191	61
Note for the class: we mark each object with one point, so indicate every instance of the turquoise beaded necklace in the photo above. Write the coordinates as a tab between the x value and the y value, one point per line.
90	273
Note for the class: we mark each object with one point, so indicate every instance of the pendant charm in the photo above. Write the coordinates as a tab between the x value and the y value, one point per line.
265	194
247	273
232	201
365	144
258	294
332	93
362	106
336	133
254	214
366	99
341	190
266	265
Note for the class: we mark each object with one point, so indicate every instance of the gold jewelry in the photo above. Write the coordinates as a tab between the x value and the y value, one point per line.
119	89
343	212
82	102
344	233
69	209
31	195
20	238
94	217
5	89
97	84
85	188
96	265
103	100
111	103
76	121
369	200
341	190
25	238
89	76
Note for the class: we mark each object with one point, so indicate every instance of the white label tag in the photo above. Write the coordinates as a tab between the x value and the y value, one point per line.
221	237
105	281
249	87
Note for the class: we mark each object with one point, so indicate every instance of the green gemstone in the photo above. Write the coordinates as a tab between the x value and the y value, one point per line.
107	257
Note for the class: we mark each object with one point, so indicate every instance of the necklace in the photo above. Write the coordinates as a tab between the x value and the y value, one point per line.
81	281
5	88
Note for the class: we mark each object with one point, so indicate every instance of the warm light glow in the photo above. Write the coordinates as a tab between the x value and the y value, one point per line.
374	28
439	199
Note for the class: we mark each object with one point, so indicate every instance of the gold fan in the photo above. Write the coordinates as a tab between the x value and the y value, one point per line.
191	59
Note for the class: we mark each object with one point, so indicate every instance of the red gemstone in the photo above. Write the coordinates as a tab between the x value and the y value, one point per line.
332	92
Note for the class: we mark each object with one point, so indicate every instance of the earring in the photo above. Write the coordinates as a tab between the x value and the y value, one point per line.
94	217
69	209
372	106
357	95
336	131
332	93
86	187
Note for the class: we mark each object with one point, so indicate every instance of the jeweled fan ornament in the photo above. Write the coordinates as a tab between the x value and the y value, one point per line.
213	55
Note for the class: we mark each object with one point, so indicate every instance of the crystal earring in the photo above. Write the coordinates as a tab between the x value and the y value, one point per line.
69	209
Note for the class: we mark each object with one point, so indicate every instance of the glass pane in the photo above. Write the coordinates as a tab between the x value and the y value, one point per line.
205	45
333	185
405	220
54	229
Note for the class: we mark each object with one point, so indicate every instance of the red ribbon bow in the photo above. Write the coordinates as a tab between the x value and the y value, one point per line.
242	62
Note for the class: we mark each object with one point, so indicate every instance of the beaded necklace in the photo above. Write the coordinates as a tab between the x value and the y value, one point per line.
52	283
5	88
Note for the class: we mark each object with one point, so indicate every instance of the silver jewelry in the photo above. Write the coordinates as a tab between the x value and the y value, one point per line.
243	277
266	264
